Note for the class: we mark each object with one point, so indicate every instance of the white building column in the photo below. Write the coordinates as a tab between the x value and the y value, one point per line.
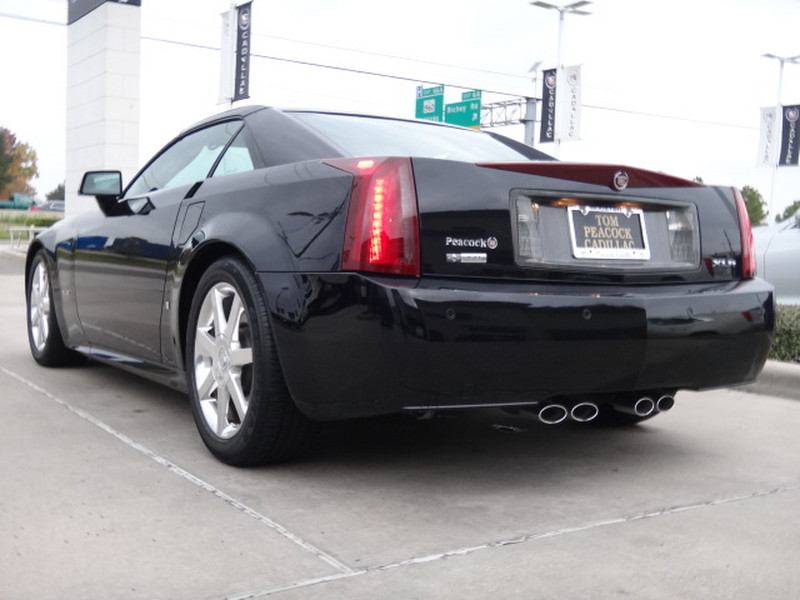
103	47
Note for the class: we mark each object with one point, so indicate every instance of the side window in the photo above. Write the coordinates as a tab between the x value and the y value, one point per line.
188	160
237	158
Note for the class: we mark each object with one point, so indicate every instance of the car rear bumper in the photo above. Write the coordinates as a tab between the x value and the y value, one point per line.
353	345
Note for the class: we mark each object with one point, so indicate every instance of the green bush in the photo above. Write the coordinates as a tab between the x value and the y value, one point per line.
786	343
40	221
23	218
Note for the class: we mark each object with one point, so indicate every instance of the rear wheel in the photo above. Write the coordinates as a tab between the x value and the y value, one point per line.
240	402
44	336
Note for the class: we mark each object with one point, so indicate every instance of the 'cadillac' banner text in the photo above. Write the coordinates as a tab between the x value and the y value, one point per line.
767	138
569	105
548	131
241	86
561	105
790	136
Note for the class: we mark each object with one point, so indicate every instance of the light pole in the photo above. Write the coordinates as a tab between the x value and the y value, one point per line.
573	9
529	120
778	118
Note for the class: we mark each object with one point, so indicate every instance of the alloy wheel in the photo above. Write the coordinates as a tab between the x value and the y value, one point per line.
223	360
39	307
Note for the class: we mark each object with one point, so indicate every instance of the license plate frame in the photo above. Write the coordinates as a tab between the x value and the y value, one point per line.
608	233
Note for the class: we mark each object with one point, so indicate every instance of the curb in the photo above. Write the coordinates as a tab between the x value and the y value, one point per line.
780	379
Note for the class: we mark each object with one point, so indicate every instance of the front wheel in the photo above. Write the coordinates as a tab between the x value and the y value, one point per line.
240	402
44	336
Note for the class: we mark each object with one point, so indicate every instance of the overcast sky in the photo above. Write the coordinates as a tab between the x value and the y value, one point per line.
673	86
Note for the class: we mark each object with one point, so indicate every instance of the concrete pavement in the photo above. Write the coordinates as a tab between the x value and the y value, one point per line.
106	491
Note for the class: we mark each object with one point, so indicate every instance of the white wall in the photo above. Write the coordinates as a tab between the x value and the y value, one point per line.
102	97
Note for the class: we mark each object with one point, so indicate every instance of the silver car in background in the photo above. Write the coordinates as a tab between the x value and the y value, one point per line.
778	258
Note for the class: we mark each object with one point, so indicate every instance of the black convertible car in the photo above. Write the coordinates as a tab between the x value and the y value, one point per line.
290	267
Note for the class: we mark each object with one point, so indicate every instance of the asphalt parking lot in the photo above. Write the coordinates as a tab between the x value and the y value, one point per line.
106	491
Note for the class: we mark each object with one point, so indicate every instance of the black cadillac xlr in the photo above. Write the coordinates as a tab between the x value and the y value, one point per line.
288	267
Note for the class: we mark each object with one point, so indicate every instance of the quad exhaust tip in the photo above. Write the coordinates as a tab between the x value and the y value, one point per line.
583	412
665	403
641	407
646	405
553	414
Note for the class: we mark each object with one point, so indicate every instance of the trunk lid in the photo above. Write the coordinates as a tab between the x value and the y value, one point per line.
552	221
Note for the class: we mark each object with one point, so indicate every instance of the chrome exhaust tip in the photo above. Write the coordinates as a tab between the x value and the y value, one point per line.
665	403
583	412
553	414
643	407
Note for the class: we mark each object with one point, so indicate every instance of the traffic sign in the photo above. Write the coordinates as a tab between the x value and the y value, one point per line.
473	95
430	103
465	114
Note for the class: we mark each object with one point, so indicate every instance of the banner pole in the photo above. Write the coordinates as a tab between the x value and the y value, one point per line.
778	123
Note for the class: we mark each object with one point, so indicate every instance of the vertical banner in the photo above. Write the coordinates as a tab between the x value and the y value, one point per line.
768	137
548	130
241	86
568	127
789	137
227	56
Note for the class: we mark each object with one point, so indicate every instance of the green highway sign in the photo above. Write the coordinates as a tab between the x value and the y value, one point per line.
430	103
473	95
464	114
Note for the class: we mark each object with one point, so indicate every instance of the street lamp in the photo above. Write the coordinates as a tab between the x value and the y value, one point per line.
778	115
573	9
529	120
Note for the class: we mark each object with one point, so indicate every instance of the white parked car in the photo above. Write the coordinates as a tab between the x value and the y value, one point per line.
778	258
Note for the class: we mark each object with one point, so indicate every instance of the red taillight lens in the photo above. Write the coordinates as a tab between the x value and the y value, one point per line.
748	245
382	233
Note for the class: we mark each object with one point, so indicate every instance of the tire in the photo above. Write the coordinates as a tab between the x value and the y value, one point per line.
240	402
44	335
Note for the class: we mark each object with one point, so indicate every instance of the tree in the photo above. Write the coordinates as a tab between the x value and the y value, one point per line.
789	212
18	165
5	162
755	205
57	193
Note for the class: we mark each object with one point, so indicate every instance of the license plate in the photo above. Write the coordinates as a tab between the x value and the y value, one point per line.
608	233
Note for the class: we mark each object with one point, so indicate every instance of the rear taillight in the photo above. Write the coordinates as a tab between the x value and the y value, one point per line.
748	246
382	232
681	235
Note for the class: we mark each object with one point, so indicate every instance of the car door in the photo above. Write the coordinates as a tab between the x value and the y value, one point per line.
121	260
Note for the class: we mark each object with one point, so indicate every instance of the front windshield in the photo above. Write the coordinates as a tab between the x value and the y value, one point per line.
374	136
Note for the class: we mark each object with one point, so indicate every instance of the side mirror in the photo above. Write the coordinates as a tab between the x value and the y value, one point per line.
105	186
101	183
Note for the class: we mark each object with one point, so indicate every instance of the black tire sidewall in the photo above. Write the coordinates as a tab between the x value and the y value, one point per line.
54	352
233	272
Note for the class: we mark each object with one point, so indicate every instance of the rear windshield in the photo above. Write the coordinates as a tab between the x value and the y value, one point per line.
374	136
